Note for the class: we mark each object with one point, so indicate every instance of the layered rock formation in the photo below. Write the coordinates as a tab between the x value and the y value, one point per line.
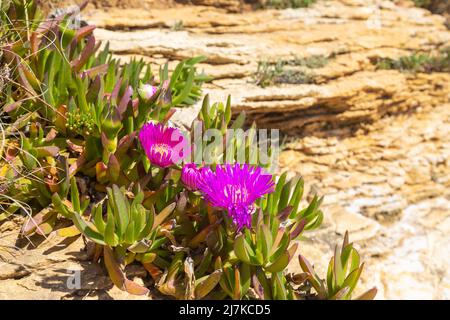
375	142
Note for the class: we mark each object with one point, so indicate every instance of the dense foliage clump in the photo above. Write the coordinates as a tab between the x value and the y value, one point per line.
283	4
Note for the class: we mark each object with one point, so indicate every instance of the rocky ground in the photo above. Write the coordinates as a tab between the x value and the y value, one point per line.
376	143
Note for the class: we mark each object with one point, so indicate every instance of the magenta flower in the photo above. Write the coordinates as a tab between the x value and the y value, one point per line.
235	188
163	146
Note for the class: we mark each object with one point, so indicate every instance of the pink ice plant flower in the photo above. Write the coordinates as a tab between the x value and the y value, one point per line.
146	91
235	188
164	146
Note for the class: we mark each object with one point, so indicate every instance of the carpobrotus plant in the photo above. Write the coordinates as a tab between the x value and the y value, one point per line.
95	136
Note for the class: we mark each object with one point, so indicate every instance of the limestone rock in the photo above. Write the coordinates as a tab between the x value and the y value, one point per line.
54	269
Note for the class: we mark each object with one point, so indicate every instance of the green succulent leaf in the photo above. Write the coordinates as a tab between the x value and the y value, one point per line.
120	207
75	197
100	224
368	295
111	238
60	206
